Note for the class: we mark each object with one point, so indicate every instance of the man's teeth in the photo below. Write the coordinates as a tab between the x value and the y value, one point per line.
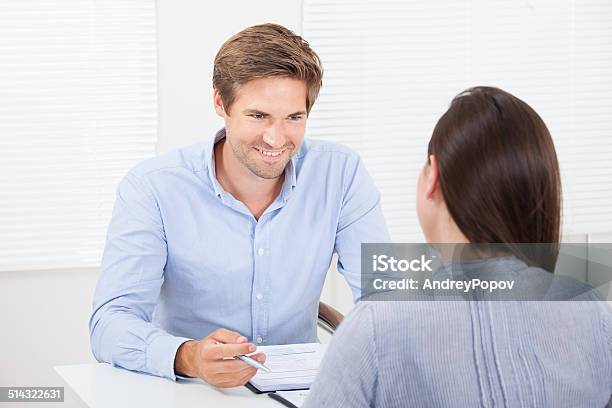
271	154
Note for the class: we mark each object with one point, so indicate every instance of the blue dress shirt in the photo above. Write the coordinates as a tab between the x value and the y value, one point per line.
183	257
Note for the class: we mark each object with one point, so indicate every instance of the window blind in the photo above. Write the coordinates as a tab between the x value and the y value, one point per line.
78	108
392	68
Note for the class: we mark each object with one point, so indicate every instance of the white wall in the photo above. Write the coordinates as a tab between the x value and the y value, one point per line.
44	313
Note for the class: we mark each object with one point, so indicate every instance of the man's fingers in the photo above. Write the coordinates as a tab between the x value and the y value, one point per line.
219	351
218	366
235	379
229	366
261	357
226	336
247	376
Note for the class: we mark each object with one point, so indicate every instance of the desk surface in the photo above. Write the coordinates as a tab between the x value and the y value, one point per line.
101	386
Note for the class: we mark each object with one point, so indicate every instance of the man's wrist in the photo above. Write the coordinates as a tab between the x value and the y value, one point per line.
184	359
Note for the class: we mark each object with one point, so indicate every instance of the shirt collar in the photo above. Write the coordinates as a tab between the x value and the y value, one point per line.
211	164
290	180
290	176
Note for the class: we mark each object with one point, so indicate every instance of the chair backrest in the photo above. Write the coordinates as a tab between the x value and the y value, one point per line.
329	318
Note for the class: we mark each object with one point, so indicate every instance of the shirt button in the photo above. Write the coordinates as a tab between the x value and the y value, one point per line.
260	251
259	296
259	339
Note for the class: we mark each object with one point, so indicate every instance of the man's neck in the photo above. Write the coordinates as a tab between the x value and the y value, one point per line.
255	192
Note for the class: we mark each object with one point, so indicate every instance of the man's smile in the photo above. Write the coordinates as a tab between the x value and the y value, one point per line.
271	156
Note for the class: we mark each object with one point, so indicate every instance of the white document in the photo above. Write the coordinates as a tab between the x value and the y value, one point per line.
294	366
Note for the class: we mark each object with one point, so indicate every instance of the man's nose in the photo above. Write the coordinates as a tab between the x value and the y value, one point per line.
275	135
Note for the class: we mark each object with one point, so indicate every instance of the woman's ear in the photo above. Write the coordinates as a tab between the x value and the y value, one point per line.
218	102
432	181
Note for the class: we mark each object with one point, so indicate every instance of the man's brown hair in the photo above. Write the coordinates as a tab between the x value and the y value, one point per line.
264	51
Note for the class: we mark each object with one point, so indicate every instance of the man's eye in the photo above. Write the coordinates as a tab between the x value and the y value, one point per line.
257	115
295	118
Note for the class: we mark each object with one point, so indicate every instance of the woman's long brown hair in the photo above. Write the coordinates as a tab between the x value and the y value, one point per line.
498	171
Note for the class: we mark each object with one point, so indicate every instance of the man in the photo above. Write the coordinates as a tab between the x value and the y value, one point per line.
215	248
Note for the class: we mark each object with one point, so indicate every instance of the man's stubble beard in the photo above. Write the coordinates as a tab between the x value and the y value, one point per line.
258	168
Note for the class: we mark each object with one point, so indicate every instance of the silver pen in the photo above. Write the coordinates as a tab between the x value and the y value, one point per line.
253	363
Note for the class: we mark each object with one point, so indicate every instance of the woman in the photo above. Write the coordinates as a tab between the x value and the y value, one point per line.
491	177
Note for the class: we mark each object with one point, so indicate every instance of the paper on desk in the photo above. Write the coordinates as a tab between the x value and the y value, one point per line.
294	366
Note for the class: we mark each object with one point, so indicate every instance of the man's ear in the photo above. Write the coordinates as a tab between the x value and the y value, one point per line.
218	102
432	179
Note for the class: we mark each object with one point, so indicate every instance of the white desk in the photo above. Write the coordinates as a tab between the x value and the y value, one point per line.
104	386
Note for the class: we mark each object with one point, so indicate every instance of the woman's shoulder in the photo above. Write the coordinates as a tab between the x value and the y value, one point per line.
384	317
395	316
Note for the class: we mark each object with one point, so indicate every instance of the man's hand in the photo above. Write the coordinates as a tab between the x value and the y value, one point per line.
211	359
